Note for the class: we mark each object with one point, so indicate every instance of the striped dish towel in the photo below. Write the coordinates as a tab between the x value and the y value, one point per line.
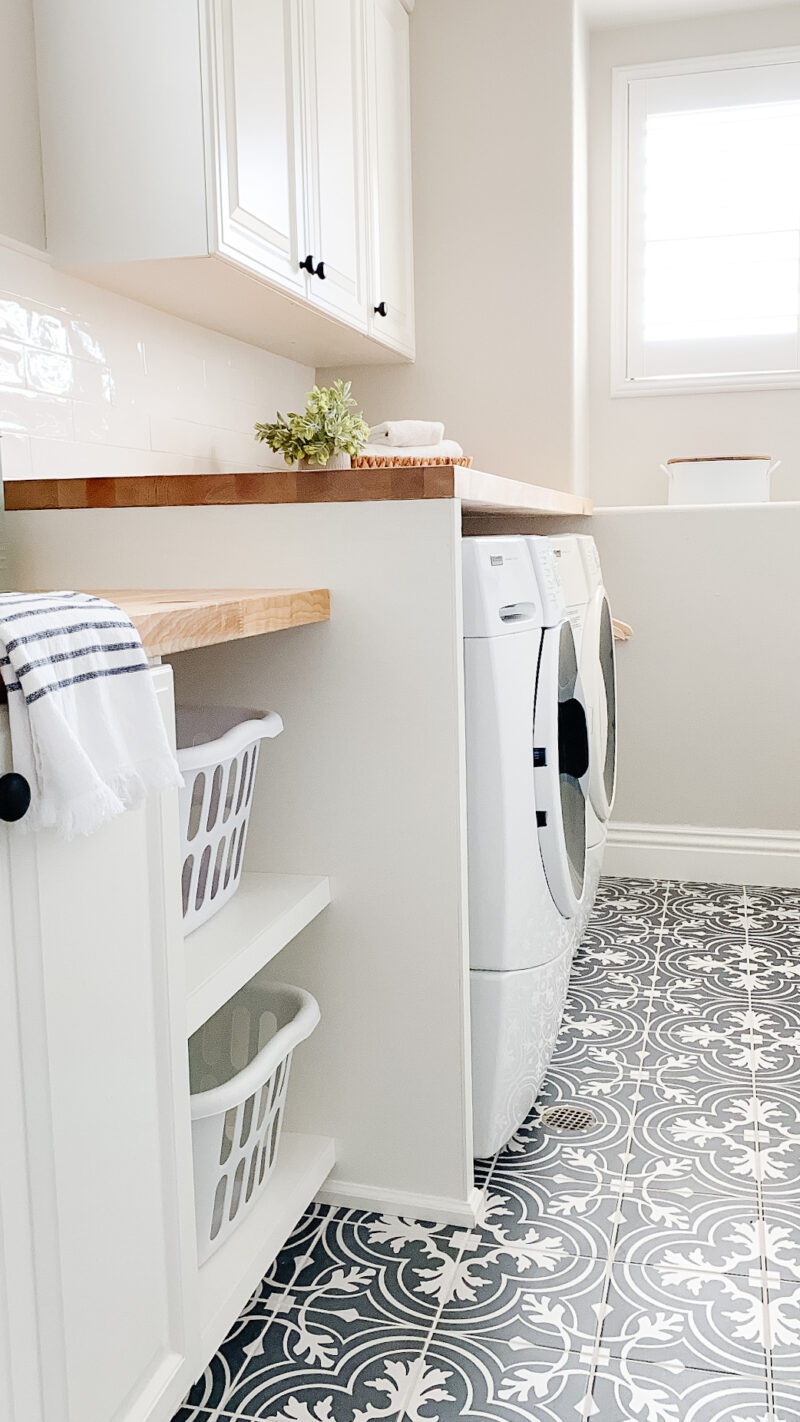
86	728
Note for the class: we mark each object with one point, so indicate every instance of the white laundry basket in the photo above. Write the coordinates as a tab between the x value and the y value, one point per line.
218	756
239	1070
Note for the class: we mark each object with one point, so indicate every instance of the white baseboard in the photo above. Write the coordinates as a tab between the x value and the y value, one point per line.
437	1208
712	856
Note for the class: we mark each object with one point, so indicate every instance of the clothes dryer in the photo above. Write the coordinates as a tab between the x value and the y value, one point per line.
581	580
527	789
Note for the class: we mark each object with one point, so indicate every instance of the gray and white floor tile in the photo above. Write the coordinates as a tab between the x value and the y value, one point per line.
678	1313
632	1391
645	1268
489	1380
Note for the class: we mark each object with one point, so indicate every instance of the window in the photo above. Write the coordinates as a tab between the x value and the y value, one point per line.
707	224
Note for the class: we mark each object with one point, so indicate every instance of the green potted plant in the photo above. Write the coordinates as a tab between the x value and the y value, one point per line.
326	436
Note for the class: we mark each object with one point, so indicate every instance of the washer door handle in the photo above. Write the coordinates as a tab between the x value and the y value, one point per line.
573	738
518	612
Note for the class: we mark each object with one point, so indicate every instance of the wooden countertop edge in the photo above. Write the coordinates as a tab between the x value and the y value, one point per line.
177	620
478	492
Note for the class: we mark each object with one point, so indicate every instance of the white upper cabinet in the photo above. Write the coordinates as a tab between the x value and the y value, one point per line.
269	141
256	95
334	46
391	278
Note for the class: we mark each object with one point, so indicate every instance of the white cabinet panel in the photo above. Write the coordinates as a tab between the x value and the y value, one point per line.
391	237
95	947
334	47
259	135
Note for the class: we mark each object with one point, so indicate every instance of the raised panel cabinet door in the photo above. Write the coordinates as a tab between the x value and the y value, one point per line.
20	1370
255	66
334	48
391	286
98	961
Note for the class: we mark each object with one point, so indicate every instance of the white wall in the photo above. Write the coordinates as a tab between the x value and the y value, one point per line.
21	200
494	167
630	436
91	383
709	684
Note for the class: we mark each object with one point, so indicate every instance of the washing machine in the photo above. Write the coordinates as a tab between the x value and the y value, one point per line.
527	791
581	579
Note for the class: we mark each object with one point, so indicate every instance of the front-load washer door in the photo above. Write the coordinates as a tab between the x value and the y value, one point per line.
514	922
561	768
601	687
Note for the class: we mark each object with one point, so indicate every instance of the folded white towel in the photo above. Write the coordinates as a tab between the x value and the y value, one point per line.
446	449
86	728
407	432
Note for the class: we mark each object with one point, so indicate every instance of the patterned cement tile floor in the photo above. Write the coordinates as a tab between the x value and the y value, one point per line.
646	1269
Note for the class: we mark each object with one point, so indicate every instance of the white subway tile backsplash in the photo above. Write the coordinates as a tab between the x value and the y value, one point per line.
32	413
202	441
49	331
94	384
12	364
85	343
111	424
13	318
15	456
74	460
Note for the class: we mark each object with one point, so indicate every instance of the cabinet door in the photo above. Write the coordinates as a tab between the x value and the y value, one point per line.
391	286
96	952
255	69
334	50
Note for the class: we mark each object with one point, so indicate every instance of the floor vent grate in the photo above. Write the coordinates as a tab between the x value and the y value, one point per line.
568	1118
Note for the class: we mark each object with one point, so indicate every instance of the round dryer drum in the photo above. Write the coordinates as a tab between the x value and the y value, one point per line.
561	767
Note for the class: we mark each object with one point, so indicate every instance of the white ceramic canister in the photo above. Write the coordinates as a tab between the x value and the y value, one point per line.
720	479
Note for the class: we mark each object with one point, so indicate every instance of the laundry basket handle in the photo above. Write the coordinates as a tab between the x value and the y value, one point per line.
267	1061
256	727
271	725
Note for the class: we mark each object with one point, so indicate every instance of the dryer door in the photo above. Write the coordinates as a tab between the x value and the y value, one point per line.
560	767
600	661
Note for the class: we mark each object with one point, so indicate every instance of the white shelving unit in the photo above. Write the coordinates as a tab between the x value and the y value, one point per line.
266	912
229	1277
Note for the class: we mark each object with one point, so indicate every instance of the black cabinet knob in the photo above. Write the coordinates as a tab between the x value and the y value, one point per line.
15	796
380	309
308	266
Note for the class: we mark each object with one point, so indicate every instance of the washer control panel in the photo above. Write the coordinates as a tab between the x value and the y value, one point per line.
547	577
501	591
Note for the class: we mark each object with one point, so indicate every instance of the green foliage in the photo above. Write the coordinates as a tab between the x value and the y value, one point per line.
327	426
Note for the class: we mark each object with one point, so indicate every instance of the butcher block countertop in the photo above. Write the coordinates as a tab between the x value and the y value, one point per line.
478	492
176	621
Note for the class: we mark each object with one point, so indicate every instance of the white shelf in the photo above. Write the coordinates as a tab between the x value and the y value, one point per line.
228	1278
266	912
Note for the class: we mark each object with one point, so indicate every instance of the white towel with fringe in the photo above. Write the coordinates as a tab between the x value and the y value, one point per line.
407	432
86	728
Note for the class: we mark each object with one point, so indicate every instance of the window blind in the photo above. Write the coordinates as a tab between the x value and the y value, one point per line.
713	242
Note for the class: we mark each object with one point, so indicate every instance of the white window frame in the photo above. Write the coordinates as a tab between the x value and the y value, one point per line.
621	383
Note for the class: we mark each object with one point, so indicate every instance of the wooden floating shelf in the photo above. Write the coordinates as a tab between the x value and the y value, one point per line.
229	1277
478	492
491	494
177	620
266	912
